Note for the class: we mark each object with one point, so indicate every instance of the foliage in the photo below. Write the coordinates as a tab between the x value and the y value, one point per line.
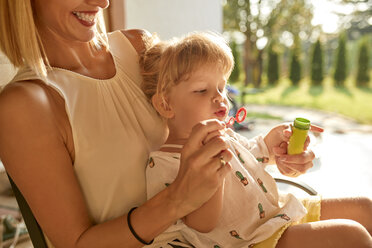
363	63
260	21
295	66
273	64
340	72
350	101
357	22
236	71
317	64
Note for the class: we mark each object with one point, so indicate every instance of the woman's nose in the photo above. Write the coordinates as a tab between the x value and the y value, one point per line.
103	4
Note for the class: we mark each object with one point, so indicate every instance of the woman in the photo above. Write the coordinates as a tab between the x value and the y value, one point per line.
76	130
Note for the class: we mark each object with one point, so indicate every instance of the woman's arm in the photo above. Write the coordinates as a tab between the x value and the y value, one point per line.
205	218
34	152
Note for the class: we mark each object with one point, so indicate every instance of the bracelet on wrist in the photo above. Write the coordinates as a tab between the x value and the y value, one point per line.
132	230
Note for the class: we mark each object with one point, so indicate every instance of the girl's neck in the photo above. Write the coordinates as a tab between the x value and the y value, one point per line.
175	141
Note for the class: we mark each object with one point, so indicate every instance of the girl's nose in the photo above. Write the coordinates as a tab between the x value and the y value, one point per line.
218	97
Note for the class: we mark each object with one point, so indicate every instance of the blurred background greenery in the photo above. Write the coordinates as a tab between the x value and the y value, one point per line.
314	54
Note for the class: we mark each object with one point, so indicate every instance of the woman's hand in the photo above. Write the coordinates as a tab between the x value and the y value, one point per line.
290	165
203	168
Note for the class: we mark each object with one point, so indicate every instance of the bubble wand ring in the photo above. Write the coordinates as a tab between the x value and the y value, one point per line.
239	117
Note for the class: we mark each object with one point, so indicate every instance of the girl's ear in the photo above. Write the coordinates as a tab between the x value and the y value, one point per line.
161	105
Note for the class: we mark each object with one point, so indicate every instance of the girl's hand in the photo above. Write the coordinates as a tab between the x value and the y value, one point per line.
202	169
290	165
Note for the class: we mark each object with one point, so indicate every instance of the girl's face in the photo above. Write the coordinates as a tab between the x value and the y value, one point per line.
201	97
73	20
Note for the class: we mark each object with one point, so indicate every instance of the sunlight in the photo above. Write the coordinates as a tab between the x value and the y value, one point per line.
325	14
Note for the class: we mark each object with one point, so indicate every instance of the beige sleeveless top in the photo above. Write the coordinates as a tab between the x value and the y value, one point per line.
114	128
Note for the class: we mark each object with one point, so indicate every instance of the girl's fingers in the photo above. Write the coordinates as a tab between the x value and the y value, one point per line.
287	134
281	149
307	142
300	168
305	157
284	169
315	128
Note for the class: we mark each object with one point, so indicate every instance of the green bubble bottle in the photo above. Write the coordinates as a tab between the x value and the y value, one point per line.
300	129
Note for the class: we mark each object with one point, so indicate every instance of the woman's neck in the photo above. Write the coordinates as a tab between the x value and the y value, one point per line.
79	57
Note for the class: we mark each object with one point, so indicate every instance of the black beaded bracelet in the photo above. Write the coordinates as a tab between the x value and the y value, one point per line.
132	230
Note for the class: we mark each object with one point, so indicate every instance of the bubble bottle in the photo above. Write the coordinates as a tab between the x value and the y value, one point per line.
300	129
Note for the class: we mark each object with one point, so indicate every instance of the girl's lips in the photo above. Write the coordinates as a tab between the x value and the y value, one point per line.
221	113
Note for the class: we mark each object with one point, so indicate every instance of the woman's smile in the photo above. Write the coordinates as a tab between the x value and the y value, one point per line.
87	18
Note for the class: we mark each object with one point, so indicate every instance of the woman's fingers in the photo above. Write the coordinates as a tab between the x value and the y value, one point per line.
224	158
214	147
199	132
213	134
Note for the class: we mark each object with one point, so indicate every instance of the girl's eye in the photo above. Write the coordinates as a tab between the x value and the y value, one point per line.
200	91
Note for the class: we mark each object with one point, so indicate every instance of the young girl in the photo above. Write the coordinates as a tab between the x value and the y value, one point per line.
185	79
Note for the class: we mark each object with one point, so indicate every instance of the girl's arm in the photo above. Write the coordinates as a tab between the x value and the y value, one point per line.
205	218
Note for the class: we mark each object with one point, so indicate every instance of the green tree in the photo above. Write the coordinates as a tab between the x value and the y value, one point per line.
340	72
264	20
363	63
235	74
295	66
272	64
317	64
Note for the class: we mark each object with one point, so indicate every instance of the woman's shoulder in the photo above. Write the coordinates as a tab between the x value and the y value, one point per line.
32	111
26	100
137	38
20	92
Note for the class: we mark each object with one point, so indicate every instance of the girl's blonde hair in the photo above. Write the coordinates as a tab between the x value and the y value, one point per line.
20	40
166	63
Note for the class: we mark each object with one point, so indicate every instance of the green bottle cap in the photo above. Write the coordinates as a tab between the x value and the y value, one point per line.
302	123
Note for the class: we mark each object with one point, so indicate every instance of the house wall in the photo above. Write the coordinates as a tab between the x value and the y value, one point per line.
7	71
169	18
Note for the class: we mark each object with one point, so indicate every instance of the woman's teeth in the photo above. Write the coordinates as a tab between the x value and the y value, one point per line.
84	16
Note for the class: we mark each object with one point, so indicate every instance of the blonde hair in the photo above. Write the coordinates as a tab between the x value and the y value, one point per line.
20	40
166	63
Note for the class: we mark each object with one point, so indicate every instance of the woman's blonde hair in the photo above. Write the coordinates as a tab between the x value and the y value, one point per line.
20	40
166	63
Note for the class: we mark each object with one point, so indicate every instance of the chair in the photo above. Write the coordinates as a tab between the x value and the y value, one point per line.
37	236
34	230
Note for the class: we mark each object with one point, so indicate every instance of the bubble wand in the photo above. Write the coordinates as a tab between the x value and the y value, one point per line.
239	117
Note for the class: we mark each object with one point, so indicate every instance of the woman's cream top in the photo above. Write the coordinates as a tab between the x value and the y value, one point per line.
114	128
